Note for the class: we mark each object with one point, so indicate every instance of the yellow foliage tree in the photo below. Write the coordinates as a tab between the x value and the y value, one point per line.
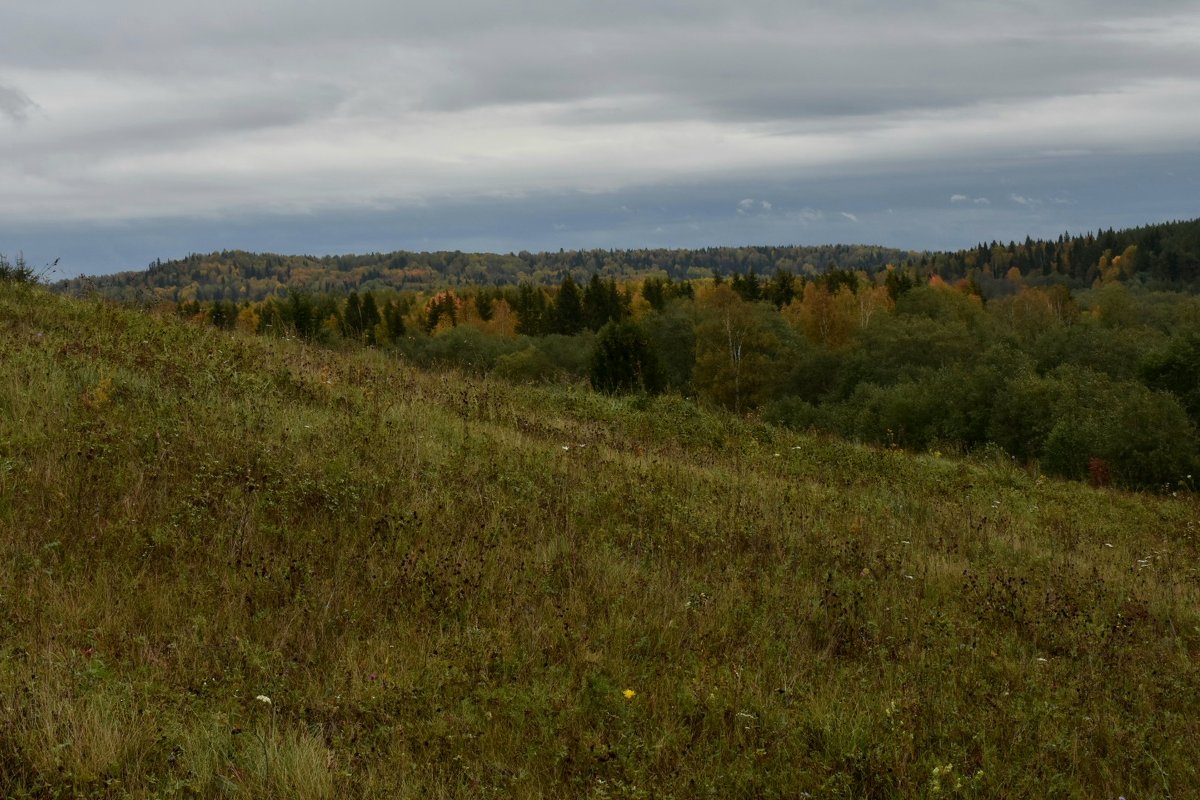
823	317
503	321
871	301
735	349
248	320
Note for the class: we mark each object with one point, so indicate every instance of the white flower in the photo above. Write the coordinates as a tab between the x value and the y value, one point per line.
262	698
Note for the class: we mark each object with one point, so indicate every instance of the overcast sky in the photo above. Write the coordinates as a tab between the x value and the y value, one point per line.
140	129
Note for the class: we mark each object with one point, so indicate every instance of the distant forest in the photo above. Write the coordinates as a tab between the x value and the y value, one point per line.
1164	256
1081	355
238	276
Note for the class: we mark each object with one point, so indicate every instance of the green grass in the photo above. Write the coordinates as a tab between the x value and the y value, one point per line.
444	584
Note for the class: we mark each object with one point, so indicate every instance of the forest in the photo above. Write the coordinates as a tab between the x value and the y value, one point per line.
1163	256
240	276
1099	384
1079	356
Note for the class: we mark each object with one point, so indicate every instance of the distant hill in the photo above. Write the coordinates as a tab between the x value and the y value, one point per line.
1165	255
238	276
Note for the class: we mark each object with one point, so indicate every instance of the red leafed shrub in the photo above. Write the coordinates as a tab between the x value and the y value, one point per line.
1099	473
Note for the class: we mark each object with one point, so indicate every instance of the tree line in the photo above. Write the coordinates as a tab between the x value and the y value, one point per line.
1163	256
1098	384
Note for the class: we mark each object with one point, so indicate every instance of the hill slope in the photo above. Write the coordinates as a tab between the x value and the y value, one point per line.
246	567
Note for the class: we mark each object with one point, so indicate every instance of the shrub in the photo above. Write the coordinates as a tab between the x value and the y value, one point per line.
17	271
623	361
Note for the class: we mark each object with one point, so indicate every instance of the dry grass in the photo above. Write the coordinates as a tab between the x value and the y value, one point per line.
445	585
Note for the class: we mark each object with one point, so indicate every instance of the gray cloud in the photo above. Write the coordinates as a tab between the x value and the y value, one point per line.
234	110
14	103
806	68
906	208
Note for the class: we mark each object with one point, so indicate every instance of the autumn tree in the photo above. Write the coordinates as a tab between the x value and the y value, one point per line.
736	346
1027	314
825	317
442	311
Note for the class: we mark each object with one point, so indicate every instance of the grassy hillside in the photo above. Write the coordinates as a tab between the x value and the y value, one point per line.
452	587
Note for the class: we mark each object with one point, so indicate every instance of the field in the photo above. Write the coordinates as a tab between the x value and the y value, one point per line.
236	566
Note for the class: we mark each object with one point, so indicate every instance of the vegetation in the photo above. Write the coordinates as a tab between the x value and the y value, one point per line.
237	276
16	272
1097	384
248	566
1163	256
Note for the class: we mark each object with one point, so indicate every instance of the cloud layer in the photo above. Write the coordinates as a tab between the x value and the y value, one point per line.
136	116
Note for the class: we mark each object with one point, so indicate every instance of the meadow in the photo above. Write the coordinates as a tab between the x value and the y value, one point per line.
241	566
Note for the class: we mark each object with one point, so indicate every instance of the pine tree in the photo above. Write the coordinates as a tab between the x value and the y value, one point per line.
782	288
370	317
393	319
352	316
531	309
568	309
602	303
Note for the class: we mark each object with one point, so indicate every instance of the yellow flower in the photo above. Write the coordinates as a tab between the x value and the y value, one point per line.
629	694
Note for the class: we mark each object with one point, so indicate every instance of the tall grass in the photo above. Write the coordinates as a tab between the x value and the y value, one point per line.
445	585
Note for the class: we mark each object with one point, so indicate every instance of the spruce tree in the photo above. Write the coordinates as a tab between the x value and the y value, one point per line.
568	309
624	361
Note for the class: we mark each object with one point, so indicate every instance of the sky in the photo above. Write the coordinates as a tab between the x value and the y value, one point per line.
132	130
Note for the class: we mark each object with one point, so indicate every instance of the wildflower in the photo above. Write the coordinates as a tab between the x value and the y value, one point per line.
629	694
262	698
